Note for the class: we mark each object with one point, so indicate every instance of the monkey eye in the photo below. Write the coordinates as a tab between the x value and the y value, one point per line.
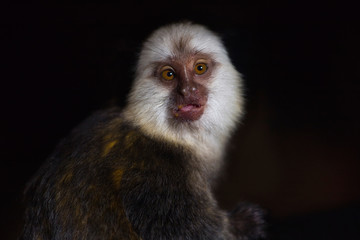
168	74
200	68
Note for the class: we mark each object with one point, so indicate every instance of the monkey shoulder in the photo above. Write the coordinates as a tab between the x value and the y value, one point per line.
95	175
106	147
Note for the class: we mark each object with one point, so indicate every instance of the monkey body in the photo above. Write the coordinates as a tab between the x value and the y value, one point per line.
152	196
146	171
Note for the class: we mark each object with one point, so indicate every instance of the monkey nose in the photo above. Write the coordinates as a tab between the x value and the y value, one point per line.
185	92
188	90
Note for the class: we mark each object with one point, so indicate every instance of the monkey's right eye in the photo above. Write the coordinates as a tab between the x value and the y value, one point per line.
168	74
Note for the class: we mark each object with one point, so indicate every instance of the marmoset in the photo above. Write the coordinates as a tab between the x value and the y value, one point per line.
146	171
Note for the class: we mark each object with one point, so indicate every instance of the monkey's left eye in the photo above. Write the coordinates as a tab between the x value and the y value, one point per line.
168	74
200	68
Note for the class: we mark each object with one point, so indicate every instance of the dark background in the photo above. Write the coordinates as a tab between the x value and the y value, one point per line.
296	152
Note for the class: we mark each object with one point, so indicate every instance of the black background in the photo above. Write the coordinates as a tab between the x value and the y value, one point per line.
296	152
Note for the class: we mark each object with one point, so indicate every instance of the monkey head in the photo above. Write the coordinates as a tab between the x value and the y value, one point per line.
186	87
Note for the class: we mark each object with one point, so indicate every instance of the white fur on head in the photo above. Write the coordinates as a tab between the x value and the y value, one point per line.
149	100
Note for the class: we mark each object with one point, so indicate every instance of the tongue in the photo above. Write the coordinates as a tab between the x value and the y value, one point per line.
187	108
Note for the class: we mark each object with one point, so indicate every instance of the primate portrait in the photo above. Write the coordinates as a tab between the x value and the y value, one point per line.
180	120
146	172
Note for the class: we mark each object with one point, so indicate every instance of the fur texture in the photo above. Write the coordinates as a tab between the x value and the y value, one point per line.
138	173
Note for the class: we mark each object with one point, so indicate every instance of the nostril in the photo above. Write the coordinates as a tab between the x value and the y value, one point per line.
185	92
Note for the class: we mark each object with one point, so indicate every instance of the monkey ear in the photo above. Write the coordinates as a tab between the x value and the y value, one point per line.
248	220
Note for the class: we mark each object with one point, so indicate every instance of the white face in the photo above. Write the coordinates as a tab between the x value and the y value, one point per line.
185	84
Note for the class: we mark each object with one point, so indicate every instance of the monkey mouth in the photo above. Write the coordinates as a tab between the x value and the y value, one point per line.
189	112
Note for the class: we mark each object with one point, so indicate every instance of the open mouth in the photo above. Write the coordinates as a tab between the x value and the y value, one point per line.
188	107
191	112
